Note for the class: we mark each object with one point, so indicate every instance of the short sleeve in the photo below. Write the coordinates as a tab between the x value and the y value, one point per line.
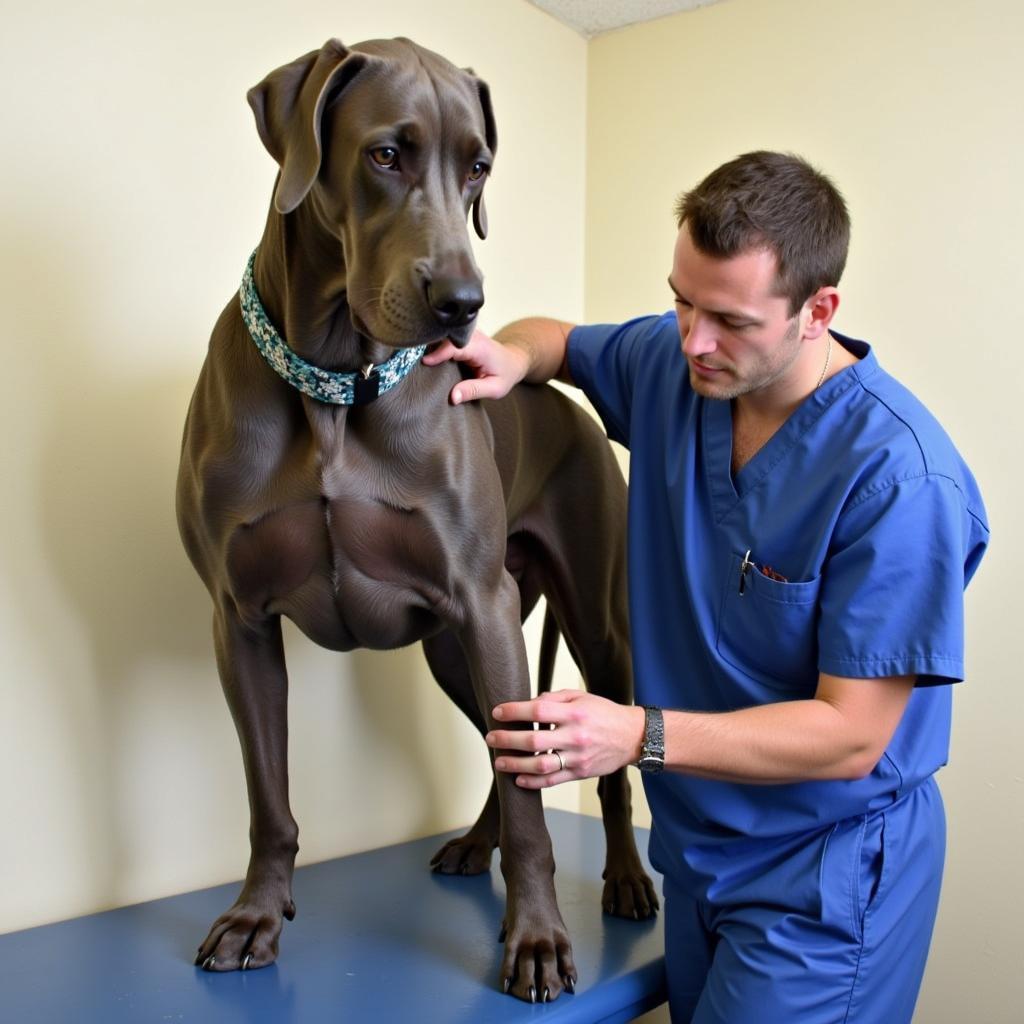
892	588
605	361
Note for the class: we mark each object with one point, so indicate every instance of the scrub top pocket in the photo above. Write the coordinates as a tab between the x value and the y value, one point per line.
769	632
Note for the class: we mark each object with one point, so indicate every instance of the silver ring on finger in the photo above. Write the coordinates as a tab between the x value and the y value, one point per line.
561	760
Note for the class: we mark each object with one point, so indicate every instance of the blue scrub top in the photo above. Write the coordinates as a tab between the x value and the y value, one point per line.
864	526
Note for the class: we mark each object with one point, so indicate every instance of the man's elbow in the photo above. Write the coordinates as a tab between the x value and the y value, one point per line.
858	764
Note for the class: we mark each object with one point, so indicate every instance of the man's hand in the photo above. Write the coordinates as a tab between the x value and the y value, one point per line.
841	733
594	737
497	368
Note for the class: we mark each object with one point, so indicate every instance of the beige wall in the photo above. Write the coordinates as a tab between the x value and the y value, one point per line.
134	189
914	107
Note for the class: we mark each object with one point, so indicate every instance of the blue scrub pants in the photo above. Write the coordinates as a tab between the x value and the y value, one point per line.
857	958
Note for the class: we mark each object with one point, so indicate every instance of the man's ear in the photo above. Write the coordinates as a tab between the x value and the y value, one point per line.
289	105
819	310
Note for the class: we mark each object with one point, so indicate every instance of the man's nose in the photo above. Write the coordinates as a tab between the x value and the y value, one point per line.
697	333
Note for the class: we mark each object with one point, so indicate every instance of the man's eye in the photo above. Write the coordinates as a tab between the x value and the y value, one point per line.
385	156
478	170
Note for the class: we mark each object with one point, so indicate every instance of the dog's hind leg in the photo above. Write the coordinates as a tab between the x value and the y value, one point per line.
585	583
469	854
604	661
250	660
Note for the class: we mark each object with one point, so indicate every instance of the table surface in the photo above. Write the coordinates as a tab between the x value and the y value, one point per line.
377	937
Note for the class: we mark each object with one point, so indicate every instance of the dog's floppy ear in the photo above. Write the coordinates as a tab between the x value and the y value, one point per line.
491	137
289	104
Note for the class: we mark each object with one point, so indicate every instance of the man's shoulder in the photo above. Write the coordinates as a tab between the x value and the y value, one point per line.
627	370
659	329
904	421
907	439
640	350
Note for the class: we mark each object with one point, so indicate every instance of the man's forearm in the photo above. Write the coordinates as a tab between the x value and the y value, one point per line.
794	741
841	734
545	342
791	741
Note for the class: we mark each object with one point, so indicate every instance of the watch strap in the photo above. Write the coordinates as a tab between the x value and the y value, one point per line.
652	753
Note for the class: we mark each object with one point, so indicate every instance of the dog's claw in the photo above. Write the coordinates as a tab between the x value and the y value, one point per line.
547	994
508	985
533	994
570	986
247	961
209	962
199	957
502	934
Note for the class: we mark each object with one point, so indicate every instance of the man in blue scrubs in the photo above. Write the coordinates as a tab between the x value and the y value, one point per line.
801	533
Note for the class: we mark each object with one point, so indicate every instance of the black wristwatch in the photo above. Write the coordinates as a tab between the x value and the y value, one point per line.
652	753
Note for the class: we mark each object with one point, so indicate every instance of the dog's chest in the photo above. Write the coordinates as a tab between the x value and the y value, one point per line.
351	562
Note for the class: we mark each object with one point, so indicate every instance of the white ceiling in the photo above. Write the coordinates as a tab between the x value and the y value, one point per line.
592	17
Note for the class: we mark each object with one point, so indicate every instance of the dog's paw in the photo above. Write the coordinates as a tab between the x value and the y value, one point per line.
467	855
629	892
244	938
538	965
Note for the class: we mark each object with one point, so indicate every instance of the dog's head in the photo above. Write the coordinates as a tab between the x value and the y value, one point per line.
388	146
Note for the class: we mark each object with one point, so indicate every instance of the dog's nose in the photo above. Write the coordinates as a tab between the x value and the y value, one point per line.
454	300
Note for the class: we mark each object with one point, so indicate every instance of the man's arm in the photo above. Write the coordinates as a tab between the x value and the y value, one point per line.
841	733
534	350
546	343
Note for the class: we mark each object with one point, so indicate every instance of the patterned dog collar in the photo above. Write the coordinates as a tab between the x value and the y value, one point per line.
323	385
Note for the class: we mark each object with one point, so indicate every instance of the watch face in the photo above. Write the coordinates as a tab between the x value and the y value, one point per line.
650	763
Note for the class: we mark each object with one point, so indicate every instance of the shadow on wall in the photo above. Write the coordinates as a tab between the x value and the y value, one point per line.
106	569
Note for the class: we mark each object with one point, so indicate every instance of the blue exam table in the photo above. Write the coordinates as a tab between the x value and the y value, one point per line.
377	938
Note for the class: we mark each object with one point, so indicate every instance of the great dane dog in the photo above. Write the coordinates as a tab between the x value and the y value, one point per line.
325	476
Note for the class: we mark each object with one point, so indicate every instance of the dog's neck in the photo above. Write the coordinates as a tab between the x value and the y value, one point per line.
300	277
301	280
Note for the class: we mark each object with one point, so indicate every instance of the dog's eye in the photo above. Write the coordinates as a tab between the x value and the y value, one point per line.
479	169
385	156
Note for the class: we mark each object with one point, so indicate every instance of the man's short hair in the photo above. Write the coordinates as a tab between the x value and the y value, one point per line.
778	202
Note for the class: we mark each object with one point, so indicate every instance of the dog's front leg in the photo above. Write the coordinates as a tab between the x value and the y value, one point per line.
250	660
538	962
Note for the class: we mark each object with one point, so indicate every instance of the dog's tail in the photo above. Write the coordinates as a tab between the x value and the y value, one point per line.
549	637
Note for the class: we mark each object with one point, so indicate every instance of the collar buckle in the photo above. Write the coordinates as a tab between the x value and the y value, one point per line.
366	386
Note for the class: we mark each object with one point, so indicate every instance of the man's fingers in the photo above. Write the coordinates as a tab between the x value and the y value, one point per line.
447	349
543	781
530	739
542	764
481	387
526	781
441	353
535	772
491	373
550	708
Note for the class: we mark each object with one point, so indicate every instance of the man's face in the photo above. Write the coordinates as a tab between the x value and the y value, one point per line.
736	332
